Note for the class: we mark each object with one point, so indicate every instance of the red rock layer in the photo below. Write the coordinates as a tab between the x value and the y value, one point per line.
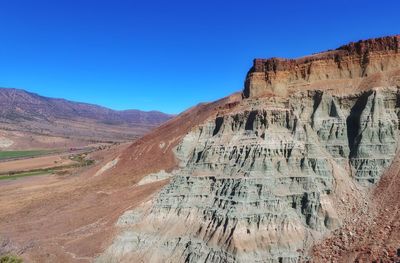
358	65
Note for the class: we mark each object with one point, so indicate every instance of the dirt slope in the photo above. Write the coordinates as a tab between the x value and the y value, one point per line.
373	233
71	219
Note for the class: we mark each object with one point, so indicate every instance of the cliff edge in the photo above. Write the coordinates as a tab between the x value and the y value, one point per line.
356	66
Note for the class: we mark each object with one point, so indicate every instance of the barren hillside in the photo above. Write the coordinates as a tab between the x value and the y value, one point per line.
29	120
301	166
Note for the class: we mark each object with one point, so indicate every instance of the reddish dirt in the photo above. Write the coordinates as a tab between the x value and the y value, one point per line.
153	152
71	219
373	234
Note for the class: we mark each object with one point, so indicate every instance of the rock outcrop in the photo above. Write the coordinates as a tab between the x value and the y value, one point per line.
360	65
264	180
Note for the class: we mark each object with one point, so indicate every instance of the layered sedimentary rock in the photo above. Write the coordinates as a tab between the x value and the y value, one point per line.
262	181
360	65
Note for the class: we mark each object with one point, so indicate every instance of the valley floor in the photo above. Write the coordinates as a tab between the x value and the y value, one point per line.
63	218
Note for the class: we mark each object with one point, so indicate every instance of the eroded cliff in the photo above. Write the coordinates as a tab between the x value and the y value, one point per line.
356	66
265	179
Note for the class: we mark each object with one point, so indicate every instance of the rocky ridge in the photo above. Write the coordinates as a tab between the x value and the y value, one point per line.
356	66
269	176
22	105
34	115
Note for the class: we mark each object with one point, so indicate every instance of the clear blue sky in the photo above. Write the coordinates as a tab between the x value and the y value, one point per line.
168	55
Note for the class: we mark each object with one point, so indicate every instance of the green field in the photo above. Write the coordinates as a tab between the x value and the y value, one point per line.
79	158
25	174
23	154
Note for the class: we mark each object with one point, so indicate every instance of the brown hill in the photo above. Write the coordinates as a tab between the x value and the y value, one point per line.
29	113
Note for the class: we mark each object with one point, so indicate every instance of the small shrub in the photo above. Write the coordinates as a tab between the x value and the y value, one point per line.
10	259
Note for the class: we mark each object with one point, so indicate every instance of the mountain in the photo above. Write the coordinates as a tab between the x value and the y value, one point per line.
19	105
266	177
302	165
29	112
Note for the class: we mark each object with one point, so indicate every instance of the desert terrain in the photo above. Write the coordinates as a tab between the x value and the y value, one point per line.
47	146
301	166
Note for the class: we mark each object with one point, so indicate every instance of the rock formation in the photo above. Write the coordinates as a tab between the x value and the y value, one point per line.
361	65
272	174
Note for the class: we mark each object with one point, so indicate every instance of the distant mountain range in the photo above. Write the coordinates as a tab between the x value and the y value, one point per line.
28	112
20	104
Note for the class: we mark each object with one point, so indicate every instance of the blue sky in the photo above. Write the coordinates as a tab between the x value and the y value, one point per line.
168	55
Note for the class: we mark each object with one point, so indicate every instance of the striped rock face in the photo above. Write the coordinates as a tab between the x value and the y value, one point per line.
265	180
356	66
